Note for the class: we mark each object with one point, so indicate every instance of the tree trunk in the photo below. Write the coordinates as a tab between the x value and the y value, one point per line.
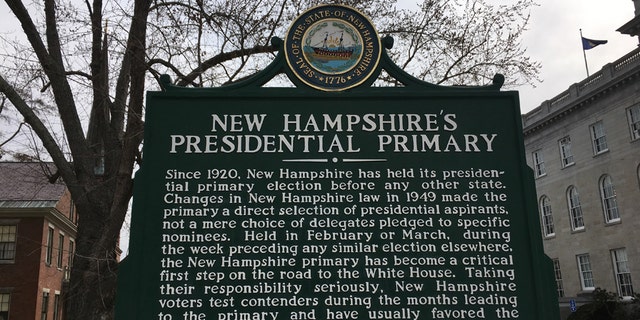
93	282
102	202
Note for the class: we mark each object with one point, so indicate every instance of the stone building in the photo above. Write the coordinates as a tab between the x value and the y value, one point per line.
584	148
37	241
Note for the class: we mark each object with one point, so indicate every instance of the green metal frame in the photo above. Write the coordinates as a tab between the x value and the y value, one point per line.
279	66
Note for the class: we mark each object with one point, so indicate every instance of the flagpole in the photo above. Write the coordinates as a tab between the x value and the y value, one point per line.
584	53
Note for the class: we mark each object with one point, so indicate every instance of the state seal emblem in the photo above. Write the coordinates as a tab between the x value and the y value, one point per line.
332	48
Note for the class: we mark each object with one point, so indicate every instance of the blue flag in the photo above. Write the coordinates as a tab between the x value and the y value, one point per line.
589	43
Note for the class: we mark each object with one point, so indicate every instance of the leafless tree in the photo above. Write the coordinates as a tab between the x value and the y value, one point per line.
78	74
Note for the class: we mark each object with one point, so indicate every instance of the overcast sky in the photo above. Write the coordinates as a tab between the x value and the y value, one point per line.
554	39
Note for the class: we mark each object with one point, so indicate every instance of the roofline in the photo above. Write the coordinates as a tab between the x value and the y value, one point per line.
583	93
632	27
16	204
50	213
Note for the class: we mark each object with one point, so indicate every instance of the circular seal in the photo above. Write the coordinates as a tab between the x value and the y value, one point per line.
332	48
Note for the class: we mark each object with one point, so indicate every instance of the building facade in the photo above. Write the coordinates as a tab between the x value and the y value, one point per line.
37	242
584	148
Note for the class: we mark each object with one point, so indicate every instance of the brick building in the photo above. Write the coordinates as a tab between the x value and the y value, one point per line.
37	234
584	147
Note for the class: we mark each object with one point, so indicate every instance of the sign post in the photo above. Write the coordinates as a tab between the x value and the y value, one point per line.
337	202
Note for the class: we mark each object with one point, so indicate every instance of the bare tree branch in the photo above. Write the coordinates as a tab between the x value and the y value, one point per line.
41	130
200	43
221	58
13	135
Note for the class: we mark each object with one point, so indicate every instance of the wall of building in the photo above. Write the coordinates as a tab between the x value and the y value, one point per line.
30	275
23	275
604	97
51	275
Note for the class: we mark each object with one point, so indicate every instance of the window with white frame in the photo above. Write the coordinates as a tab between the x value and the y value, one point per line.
56	306
609	202
45	306
538	163
547	217
5	299
633	115
72	248
72	212
575	209
622	272
60	250
558	275
598	138
586	275
7	243
49	253
565	151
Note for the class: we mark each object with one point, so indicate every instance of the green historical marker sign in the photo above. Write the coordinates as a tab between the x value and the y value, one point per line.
370	203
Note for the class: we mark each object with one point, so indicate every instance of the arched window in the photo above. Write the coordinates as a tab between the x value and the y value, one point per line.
609	202
547	217
575	209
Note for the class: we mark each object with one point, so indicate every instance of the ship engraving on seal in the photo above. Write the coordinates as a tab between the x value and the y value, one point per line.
332	48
